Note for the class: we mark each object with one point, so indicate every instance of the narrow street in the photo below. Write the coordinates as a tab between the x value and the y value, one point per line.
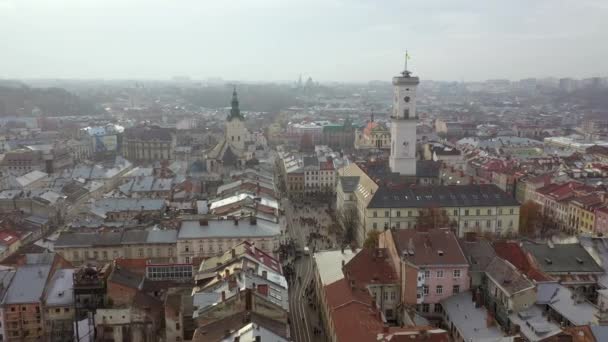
304	314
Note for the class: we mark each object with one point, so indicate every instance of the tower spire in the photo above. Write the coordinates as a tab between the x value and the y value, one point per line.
406	73
235	112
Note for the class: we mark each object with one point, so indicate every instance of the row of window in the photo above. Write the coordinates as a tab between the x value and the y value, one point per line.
95	255
387	213
439	289
439	274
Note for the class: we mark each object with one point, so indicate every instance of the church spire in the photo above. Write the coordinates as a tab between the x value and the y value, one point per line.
235	112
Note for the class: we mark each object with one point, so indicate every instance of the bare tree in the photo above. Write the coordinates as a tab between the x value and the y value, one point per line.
348	218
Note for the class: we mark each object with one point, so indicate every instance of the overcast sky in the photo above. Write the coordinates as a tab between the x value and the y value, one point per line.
341	40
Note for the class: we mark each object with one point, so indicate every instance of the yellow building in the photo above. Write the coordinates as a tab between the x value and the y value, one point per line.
581	212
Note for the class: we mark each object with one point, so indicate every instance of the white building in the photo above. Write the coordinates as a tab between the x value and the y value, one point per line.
403	125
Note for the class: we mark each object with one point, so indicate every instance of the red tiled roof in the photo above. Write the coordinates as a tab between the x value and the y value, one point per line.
513	253
352	313
426	247
371	266
7	238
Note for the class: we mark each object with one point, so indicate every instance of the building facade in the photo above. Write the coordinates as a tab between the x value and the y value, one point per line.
149	143
403	125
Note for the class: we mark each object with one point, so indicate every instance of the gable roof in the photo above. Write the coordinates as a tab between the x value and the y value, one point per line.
507	276
371	266
433	247
513	253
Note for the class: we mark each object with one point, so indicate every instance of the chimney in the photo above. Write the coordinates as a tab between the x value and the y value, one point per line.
342	248
233	253
343	263
223	296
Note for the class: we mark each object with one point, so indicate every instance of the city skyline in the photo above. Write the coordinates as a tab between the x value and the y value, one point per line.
276	41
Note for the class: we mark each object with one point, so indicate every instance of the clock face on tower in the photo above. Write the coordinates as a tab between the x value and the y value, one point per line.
405	151
406	99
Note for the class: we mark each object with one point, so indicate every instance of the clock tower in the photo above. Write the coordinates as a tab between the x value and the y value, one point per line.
403	124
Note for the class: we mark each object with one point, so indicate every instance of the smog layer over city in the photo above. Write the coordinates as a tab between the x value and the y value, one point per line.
303	171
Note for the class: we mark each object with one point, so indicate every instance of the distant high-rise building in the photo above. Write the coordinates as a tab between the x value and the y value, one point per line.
403	125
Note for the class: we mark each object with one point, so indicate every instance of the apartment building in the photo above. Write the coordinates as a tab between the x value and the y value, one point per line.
442	269
149	143
23	304
480	208
101	248
206	238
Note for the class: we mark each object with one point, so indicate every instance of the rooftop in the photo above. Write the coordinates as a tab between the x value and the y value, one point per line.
574	308
228	228
371	266
507	276
474	195
479	253
329	264
60	289
349	183
28	284
513	253
433	247
562	258
469	320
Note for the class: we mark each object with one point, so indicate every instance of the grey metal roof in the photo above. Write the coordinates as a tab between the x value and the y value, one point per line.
28	284
311	161
60	289
6	276
577	311
479	253
349	183
427	168
129	237
227	228
469	320
69	239
162	236
600	332
127	278
131	204
534	325
508	276
134	237
474	195
561	258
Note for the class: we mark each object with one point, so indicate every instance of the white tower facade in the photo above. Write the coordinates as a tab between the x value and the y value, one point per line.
403	125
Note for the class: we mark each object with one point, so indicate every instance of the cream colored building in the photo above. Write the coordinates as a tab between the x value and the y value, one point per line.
472	208
149	143
206	238
100	248
375	135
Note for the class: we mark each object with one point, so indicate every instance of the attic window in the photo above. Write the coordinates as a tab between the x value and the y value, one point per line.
579	260
548	261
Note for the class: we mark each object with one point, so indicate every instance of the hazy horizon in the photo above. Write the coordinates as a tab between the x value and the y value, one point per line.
275	41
